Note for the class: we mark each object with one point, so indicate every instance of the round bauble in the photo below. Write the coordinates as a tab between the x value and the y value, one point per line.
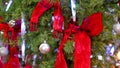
44	48
116	28
3	51
11	23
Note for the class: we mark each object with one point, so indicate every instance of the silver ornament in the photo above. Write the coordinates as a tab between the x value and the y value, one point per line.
116	28
44	48
3	51
8	5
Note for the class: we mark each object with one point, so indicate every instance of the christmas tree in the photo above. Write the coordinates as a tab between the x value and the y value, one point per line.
84	8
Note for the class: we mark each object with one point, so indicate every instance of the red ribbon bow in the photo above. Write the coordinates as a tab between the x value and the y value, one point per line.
91	26
42	7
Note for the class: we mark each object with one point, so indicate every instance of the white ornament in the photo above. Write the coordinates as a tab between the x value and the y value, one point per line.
3	51
8	5
100	57
73	9
34	59
44	48
91	56
23	50
23	27
116	28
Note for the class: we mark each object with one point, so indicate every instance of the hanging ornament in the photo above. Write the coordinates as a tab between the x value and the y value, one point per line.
44	48
116	28
8	5
23	27
3	51
113	33
23	50
34	59
73	9
11	23
100	57
117	55
110	49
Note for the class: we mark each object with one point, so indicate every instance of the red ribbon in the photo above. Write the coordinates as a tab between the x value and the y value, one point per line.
58	18
40	8
91	26
13	60
11	34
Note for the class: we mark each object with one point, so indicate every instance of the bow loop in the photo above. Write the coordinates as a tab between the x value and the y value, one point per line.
93	24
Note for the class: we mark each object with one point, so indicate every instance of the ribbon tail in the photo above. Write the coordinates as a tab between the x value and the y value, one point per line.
58	20
40	8
60	61
82	50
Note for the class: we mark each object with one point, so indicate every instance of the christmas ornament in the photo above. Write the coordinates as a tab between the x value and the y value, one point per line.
23	27
11	23
8	5
3	51
34	59
114	33
23	50
73	9
117	55
44	48
100	57
82	41
116	28
110	49
111	10
91	56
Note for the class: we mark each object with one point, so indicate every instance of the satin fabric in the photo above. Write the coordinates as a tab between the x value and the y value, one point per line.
91	26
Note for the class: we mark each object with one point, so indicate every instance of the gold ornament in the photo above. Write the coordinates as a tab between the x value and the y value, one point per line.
11	23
